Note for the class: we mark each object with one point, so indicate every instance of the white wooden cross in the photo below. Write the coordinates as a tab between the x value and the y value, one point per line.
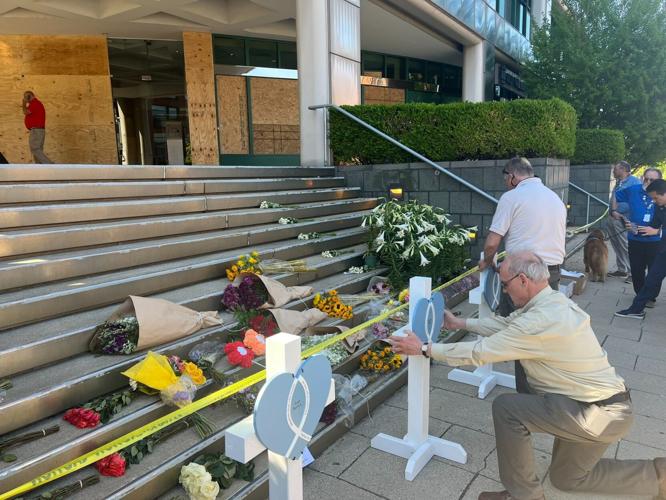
285	476
484	377
418	447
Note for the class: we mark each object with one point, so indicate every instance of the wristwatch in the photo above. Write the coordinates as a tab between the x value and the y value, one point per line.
424	350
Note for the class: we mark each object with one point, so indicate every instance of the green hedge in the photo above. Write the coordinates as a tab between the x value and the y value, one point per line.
457	131
598	145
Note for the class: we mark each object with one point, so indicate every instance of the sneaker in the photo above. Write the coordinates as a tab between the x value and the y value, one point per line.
618	274
651	304
628	280
627	313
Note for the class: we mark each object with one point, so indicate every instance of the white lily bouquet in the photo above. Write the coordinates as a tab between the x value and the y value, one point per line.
416	239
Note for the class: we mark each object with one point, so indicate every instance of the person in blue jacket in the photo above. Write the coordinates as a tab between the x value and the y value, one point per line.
637	208
657	191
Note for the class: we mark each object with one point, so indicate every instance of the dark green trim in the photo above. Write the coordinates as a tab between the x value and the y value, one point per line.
261	160
250	127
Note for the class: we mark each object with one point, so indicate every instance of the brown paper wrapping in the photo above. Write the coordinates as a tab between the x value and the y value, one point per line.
278	294
161	321
295	322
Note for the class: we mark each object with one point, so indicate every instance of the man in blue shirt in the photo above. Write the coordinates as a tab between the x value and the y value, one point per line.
617	233
637	208
657	191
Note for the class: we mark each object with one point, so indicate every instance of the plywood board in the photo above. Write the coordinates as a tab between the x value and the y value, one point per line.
275	116
382	95
202	113
232	114
70	75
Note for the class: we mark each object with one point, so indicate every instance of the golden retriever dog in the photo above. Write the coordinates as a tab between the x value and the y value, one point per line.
595	255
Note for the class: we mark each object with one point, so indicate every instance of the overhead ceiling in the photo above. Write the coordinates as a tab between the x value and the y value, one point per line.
381	31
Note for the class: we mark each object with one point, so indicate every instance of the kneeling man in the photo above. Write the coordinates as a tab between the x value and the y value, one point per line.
575	395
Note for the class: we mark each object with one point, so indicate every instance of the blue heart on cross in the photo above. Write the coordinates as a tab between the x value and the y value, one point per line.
289	407
428	317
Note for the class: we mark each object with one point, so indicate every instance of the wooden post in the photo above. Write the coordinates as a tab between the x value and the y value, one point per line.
484	377
418	447
285	476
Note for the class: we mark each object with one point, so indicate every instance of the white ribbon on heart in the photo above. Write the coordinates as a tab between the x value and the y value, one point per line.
298	429
430	321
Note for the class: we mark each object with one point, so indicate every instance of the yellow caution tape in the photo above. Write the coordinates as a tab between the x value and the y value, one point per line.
586	226
215	397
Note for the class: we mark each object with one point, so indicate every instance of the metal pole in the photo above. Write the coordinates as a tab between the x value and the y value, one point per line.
588	194
408	149
587	215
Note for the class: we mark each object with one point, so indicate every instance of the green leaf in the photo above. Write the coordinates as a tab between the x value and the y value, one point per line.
8	457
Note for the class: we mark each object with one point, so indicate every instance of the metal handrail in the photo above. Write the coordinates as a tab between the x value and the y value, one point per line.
590	195
406	148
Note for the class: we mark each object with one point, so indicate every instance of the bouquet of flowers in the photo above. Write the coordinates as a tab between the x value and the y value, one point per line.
255	341
331	254
223	469
176	380
275	266
141	322
260	292
415	239
197	482
246	263
287	220
238	354
206	354
378	359
379	286
330	303
336	354
99	410
269	204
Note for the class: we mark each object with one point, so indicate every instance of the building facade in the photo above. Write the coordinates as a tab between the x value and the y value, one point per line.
232	81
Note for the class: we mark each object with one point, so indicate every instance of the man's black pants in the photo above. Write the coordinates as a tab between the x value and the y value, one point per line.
653	280
641	256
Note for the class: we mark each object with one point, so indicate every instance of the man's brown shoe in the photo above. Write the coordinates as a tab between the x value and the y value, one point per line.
660	465
496	495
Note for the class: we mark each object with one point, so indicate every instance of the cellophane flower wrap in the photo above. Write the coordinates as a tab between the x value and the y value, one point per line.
161	373
415	239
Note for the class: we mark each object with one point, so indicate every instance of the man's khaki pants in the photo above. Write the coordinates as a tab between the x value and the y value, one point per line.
36	143
617	235
582	433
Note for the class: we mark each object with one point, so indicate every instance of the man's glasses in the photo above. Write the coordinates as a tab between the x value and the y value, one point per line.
650	179
506	283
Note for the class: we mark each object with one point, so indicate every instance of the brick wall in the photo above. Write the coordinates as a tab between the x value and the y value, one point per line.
597	179
421	182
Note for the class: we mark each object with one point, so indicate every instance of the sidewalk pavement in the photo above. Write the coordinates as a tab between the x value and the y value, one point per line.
350	469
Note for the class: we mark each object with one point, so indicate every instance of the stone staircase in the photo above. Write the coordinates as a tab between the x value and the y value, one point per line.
76	240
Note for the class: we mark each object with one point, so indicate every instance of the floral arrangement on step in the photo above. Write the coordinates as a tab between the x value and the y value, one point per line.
245	263
269	204
415	239
19	439
336	354
99	410
69	489
378	359
119	336
330	303
248	295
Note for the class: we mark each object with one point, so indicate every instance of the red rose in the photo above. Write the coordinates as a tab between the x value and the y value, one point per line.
113	465
82	417
238	354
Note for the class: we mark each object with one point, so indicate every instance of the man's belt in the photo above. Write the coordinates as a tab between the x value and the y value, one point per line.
554	268
36	128
620	397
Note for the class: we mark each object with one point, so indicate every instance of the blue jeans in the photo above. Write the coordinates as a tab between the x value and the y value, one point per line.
653	280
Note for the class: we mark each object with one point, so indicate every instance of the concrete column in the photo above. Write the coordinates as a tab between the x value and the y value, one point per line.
329	67
473	73
541	11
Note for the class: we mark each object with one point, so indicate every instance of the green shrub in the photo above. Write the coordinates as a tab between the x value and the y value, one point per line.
598	145
456	131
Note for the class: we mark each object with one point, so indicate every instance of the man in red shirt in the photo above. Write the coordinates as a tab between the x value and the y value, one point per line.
35	122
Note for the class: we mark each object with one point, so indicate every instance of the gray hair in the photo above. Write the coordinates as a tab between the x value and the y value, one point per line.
520	167
529	264
624	165
652	169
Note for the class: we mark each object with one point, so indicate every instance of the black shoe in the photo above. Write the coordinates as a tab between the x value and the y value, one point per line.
618	274
627	313
651	304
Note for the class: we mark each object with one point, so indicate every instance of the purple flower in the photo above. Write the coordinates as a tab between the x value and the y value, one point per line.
249	297
380	331
231	298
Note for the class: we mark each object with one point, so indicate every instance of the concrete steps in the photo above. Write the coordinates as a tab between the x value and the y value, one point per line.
77	240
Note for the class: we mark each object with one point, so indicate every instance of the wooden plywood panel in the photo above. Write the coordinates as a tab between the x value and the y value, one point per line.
232	114
382	95
275	116
70	75
200	81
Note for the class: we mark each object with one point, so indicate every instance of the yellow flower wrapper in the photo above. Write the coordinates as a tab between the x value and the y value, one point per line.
154	371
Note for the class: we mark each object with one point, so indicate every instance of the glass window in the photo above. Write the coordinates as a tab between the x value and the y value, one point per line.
434	73
416	70
229	51
373	65
262	53
287	53
500	6
395	68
